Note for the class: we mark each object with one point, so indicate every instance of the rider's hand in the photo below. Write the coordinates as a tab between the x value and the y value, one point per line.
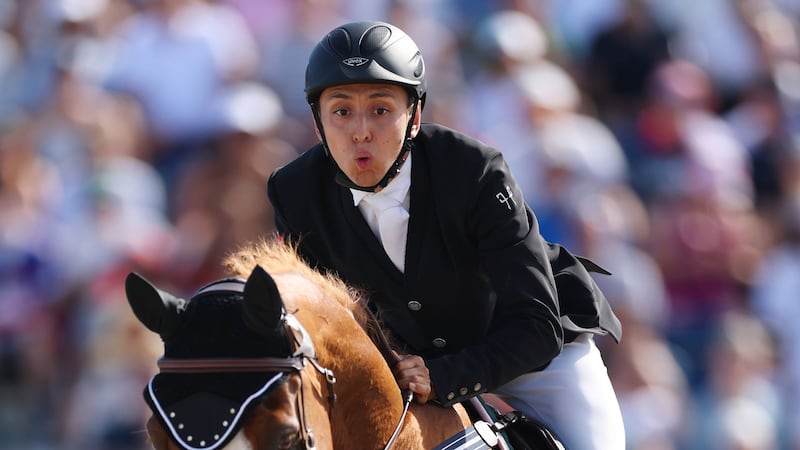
411	373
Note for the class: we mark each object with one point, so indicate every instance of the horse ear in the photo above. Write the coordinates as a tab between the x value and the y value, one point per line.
157	310
263	306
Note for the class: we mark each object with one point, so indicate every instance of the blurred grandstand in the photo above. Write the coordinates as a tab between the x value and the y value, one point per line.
661	139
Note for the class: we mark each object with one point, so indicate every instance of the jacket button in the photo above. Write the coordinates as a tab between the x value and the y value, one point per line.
439	343
463	391
477	387
414	305
451	395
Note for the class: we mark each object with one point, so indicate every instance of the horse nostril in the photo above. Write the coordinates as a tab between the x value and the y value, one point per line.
290	439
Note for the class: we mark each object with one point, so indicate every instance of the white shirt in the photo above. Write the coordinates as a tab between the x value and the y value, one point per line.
374	206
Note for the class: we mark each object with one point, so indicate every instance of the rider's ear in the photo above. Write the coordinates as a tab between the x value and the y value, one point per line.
316	131
263	306
416	122
315	111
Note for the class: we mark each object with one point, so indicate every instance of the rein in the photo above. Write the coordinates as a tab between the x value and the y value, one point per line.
406	404
381	341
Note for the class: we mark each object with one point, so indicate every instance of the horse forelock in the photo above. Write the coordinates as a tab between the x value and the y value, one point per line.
294	275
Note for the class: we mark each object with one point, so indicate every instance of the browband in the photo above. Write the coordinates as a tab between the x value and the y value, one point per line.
213	365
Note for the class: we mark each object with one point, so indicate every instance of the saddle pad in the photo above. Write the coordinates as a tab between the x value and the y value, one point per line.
468	439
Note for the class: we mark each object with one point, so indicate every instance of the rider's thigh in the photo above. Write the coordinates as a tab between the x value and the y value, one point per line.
573	396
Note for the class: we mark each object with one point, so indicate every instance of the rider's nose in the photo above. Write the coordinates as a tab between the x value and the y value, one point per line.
361	132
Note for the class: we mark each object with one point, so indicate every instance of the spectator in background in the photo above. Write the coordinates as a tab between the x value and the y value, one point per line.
741	389
669	142
213	212
445	67
761	125
766	117
573	24
27	331
716	38
564	149
774	300
611	225
505	43
268	21
283	68
101	411
175	64
652	388
706	233
620	60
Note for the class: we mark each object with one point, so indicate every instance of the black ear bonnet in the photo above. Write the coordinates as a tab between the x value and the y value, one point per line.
205	410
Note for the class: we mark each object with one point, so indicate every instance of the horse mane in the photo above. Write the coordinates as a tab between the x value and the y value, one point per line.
278	256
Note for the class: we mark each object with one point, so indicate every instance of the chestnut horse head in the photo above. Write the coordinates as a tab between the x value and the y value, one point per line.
254	364
231	352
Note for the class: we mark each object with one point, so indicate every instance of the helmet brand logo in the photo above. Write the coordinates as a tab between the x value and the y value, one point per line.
355	61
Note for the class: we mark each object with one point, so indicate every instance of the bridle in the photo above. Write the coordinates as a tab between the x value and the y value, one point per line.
304	354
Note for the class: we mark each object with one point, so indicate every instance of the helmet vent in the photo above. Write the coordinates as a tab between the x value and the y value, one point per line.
374	39
420	66
339	40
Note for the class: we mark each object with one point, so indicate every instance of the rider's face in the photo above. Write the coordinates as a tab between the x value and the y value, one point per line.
365	127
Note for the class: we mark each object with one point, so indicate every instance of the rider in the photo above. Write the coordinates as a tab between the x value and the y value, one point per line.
459	272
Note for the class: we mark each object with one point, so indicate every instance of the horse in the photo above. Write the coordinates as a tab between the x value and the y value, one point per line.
281	356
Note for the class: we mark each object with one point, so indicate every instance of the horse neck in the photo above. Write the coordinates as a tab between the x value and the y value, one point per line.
426	425
368	402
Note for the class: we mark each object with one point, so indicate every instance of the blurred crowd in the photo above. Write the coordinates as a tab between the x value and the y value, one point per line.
659	138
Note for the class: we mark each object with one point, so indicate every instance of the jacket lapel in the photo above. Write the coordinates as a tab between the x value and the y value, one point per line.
421	212
366	236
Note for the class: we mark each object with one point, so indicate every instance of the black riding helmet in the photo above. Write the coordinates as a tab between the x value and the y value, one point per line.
366	52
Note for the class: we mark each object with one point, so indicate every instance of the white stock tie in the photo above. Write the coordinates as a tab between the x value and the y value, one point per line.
392	230
386	212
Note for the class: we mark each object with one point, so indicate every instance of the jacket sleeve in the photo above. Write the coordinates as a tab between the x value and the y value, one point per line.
525	332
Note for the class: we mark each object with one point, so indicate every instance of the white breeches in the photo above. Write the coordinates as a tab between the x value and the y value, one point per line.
573	396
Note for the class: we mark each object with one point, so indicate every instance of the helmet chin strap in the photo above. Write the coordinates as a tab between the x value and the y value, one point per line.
343	180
